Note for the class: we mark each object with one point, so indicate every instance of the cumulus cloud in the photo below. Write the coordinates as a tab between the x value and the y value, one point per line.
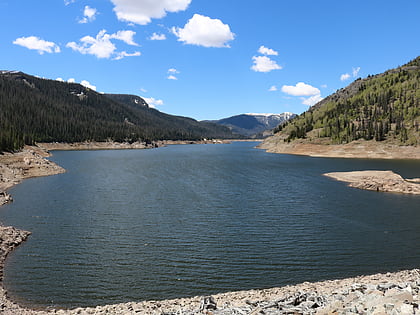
264	64
310	101
60	79
38	44
303	89
125	36
143	11
67	2
345	77
88	85
89	15
152	102
71	80
273	88
102	47
173	70
300	89
203	31
156	36
172	77
267	51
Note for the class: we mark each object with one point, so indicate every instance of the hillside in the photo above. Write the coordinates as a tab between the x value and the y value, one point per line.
39	110
254	125
128	99
383	107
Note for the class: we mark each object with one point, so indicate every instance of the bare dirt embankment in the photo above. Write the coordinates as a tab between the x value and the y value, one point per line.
121	145
356	149
386	181
391	293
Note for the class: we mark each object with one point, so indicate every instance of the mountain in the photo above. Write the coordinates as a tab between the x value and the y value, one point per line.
40	110
128	99
383	107
254	125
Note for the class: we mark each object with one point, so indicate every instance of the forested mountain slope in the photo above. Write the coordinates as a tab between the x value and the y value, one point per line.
254	125
383	107
39	110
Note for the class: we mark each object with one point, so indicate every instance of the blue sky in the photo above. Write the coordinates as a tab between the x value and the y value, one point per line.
210	59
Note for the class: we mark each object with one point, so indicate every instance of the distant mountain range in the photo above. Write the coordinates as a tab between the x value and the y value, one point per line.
254	125
40	110
382	107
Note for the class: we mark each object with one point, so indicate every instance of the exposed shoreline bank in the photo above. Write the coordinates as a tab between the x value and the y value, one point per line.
92	145
357	149
401	289
384	181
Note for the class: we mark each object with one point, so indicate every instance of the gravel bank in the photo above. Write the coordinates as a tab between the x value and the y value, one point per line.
357	149
386	181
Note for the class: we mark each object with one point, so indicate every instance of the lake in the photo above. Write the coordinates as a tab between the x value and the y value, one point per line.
179	221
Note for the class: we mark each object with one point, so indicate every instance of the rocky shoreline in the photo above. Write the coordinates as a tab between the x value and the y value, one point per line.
385	181
92	145
390	293
360	149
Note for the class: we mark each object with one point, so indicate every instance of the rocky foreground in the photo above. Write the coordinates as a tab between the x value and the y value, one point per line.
391	293
385	181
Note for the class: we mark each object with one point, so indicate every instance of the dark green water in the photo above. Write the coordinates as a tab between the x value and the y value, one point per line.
200	219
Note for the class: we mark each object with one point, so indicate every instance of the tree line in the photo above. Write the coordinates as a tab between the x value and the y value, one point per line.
381	107
38	110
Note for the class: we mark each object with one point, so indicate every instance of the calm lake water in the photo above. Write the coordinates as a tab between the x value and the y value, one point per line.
200	219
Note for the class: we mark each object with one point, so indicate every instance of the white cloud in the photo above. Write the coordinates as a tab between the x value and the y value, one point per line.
264	64
143	11
60	79
71	80
171	75
273	88
156	36
300	89
310	101
88	85
89	15
267	51
356	72
125	36
36	43
67	2
122	54
143	90
324	86
152	102
345	77
201	30
102	47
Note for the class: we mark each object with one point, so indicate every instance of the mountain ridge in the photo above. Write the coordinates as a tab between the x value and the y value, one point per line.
33	110
382	107
254	125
